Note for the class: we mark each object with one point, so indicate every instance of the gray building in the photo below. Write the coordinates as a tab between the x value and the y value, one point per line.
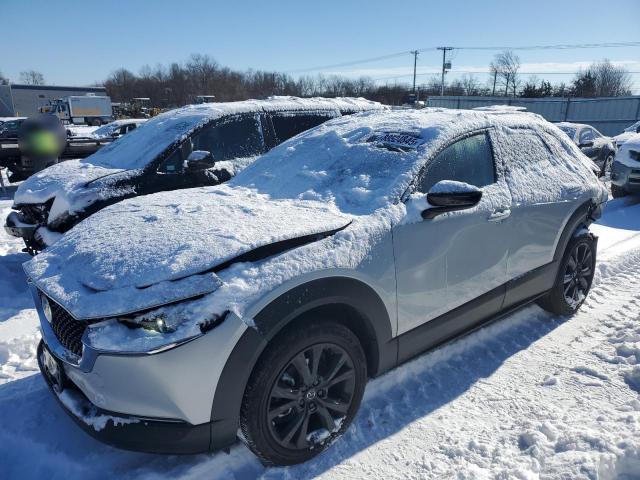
25	100
610	115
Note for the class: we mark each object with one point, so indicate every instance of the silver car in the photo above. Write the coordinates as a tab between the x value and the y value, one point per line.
258	309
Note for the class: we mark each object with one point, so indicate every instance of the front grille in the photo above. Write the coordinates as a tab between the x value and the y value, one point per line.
68	330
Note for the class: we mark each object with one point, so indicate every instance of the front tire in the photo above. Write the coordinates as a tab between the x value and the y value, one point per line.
303	393
574	279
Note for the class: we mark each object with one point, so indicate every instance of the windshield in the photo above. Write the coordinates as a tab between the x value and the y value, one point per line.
570	131
143	145
342	166
10	126
632	128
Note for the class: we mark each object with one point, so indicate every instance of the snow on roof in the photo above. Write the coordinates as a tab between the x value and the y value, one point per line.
571	125
138	148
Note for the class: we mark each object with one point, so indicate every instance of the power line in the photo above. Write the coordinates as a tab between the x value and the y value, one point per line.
481	72
426	49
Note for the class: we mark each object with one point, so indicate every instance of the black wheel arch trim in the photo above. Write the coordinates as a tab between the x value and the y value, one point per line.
581	217
274	317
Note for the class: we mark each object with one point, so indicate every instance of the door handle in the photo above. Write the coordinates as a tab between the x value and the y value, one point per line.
499	214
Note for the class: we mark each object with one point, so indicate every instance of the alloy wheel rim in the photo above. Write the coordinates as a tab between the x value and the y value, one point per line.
578	274
311	396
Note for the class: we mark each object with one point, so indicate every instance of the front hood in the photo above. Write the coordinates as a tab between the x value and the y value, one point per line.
63	177
153	250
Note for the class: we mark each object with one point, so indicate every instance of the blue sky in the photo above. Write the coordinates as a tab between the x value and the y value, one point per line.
81	42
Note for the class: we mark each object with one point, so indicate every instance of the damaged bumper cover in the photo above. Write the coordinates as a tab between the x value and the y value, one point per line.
17	228
136	400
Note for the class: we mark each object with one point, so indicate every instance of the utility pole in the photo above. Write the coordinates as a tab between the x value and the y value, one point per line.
495	77
444	66
415	63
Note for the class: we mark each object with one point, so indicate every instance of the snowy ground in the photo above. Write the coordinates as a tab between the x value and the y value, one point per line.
531	396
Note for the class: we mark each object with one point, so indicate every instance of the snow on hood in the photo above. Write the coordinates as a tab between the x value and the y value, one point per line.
153	240
629	152
66	183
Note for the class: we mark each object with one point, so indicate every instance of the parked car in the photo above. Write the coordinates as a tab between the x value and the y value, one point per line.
9	150
258	309
628	132
597	147
625	172
188	147
117	128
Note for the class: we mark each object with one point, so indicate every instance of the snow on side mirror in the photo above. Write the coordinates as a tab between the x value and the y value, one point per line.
449	196
199	160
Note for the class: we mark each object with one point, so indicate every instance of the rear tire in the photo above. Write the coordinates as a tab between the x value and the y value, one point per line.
574	279
303	393
617	192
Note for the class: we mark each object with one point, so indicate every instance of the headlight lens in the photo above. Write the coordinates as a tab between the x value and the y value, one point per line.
46	309
157	324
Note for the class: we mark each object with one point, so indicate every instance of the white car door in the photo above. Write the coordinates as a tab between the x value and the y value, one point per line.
447	261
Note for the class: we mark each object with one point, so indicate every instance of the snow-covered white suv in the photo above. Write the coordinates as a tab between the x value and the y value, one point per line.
180	321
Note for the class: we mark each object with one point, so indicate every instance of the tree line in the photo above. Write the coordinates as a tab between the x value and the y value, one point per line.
179	84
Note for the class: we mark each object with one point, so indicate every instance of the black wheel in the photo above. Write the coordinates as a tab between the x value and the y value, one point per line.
304	392
606	166
574	277
617	192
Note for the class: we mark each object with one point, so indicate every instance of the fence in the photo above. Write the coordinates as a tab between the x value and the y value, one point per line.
610	115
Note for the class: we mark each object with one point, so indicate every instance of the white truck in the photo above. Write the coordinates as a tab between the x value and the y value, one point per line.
82	109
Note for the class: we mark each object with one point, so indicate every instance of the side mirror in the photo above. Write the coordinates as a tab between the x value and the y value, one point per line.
588	144
449	196
199	160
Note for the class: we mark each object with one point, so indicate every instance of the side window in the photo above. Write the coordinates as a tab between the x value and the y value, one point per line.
238	137
288	125
586	135
469	160
175	161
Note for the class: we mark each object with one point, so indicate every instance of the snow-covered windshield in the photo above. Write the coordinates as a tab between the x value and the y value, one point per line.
140	147
338	163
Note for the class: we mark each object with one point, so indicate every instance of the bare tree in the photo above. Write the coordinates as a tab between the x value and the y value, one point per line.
470	84
32	77
602	79
504	67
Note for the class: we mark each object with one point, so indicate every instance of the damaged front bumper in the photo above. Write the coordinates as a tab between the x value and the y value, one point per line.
17	228
158	401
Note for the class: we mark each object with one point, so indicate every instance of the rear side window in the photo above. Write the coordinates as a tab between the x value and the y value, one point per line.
533	172
288	125
469	160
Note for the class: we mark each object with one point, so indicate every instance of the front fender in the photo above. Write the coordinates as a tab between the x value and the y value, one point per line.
273	317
